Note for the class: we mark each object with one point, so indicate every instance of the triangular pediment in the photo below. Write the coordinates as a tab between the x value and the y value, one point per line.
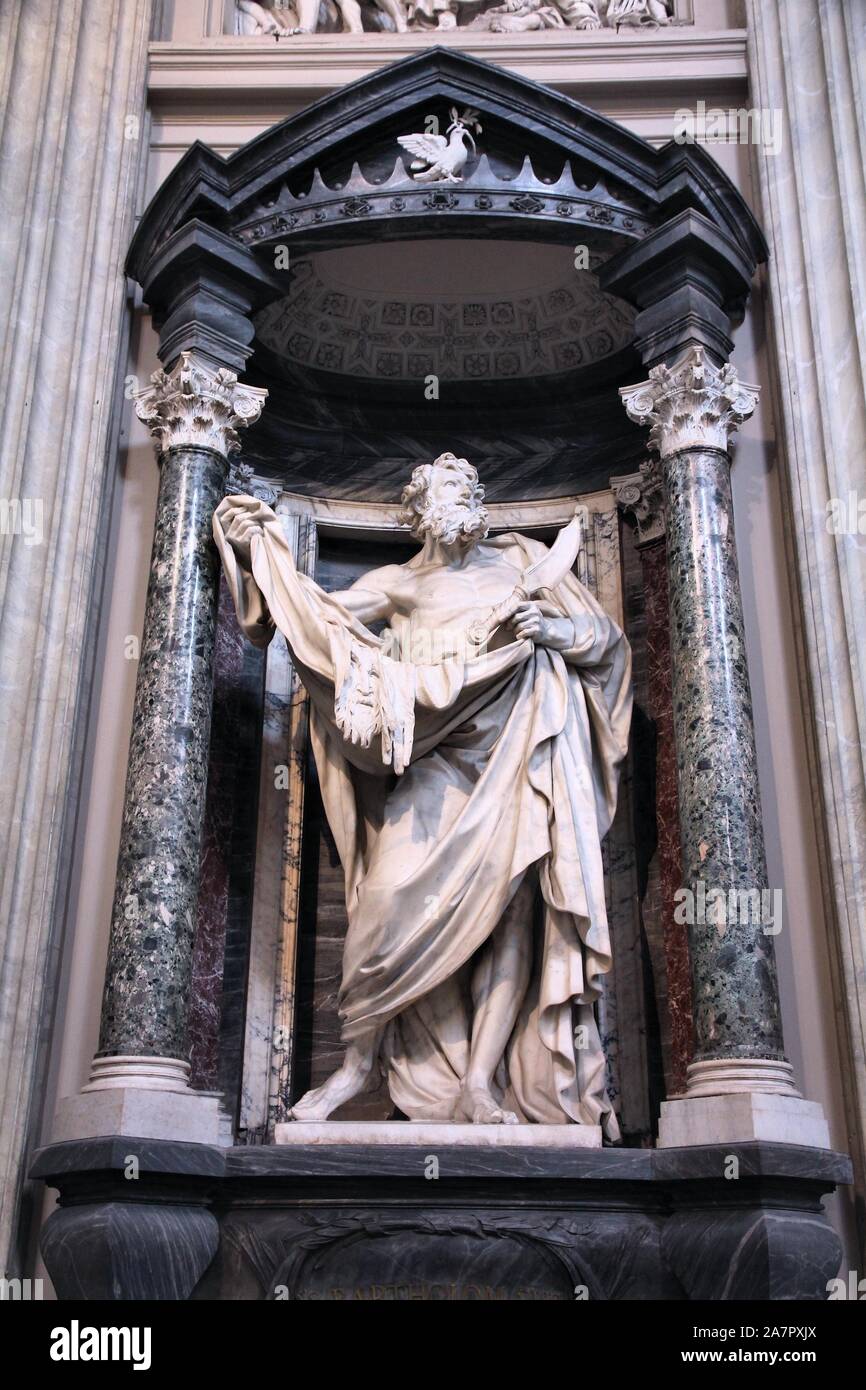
545	165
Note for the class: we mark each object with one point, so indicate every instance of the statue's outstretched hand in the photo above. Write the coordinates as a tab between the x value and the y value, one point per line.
529	622
239	528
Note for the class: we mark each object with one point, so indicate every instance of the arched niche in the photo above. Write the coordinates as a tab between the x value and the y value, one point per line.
569	256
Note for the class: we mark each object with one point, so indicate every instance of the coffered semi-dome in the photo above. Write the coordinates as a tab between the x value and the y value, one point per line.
477	313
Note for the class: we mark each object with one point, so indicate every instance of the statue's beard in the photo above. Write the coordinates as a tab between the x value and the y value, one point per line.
453	525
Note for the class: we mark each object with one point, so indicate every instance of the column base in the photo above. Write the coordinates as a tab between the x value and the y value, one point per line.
143	1097
741	1116
736	1075
735	1099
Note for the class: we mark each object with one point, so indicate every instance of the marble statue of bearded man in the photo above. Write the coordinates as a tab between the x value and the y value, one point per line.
468	790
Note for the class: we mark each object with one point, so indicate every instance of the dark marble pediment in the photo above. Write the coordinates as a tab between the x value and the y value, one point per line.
567	254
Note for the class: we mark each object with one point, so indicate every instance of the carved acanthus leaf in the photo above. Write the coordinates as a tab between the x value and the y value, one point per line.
641	495
693	404
243	481
196	406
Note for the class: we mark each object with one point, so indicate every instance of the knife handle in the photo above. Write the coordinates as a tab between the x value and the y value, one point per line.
482	629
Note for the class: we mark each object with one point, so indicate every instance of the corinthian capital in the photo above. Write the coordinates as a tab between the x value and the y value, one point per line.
642	495
692	404
194	405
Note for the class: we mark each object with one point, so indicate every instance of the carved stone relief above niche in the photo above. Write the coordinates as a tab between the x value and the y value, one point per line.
284	18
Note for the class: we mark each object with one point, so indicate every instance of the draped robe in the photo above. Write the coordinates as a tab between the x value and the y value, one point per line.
507	762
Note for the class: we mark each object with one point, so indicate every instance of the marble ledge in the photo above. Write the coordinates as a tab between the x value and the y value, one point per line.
62	1164
390	1132
238	67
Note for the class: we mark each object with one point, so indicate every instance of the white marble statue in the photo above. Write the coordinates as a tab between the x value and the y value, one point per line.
637	13
310	16
441	158
468	785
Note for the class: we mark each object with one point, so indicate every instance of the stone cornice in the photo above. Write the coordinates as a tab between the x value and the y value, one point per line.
242	68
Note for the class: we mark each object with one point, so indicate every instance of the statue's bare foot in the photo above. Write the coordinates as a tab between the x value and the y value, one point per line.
478	1105
348	1081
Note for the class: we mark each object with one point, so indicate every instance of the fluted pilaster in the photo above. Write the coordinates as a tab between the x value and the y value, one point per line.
72	145
806	60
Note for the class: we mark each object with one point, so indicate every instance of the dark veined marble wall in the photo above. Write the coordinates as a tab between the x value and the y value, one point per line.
228	860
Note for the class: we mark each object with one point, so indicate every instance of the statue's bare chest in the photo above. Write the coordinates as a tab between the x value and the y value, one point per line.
453	598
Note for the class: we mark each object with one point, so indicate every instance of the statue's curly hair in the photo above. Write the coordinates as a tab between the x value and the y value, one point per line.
414	499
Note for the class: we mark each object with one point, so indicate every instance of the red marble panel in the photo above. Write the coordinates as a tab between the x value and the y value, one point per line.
654	565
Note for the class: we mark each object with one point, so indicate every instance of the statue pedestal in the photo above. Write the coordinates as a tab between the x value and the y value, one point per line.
435	1136
147	1097
439	1222
739	1118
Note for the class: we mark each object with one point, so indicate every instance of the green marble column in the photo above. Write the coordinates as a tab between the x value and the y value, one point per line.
693	407
194	413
